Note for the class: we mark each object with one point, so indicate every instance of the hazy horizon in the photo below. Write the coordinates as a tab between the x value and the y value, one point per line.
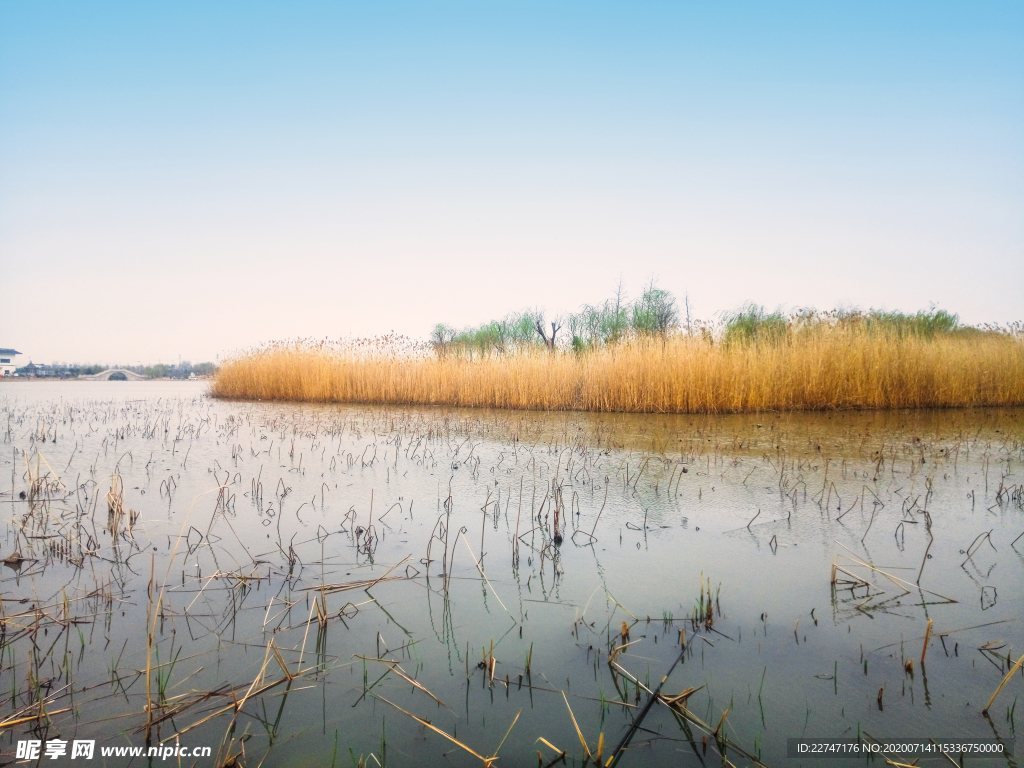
193	180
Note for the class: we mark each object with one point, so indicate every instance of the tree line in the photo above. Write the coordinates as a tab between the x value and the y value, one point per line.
655	312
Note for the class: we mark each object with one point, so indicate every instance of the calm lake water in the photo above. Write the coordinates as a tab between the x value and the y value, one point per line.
266	537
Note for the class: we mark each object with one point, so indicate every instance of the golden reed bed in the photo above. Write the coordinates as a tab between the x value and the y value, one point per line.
833	369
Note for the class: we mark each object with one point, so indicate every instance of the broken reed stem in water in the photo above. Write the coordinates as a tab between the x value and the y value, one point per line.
1006	679
434	728
827	369
575	725
519	514
150	632
874	509
487	761
927	635
618	751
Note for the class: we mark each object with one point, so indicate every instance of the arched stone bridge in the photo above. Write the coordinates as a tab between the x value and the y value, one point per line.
114	374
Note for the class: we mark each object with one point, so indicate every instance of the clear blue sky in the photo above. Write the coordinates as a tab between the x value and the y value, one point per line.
192	178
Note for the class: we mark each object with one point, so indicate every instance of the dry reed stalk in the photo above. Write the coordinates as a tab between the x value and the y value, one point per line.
686	714
519	514
655	696
487	761
150	633
1006	679
397	669
598	518
42	713
280	660
491	662
480	568
505	737
364	584
549	745
616	650
680	699
624	608
237	705
579	733
894	579
39	455
927	635
834	369
151	625
721	722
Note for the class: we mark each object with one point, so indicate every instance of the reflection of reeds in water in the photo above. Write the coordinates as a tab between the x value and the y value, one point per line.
827	368
56	528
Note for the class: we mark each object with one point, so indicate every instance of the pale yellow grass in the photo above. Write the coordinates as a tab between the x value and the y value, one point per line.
834	369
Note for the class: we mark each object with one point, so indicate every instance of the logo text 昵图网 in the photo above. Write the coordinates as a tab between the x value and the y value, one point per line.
33	749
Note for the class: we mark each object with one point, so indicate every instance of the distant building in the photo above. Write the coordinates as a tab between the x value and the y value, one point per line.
7	364
44	371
